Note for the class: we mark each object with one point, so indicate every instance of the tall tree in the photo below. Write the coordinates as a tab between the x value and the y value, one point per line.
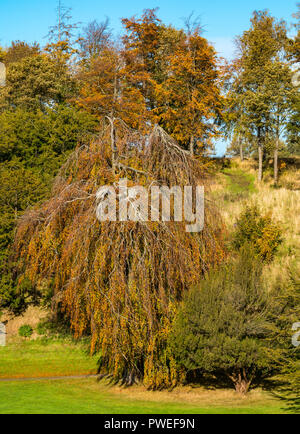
62	37
293	127
259	47
95	37
141	43
235	125
20	50
280	76
295	43
63	30
189	100
107	91
36	82
177	74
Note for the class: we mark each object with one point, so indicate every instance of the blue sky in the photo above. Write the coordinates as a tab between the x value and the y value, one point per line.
222	19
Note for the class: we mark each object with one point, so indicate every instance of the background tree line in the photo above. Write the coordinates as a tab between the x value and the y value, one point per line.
262	100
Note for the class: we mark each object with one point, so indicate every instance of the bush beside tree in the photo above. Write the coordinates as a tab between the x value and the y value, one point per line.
224	325
260	231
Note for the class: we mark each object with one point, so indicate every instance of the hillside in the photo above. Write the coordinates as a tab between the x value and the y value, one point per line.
237	186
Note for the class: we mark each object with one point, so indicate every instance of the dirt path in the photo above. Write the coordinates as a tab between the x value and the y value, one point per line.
70	377
240	180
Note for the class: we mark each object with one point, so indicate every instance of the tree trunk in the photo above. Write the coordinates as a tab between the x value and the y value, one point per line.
242	387
114	150
241	381
241	149
276	161
192	143
111	119
260	156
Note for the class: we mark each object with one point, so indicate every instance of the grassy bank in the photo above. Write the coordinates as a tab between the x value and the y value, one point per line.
237	186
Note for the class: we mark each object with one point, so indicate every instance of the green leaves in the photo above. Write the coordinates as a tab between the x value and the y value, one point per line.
28	135
33	146
224	324
258	230
35	83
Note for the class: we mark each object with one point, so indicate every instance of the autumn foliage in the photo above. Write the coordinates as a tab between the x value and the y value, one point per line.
119	281
162	76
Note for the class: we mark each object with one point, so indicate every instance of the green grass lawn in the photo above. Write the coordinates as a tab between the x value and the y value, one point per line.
65	357
234	185
87	396
46	358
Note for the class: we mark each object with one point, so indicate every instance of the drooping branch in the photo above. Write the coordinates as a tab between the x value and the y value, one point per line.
120	281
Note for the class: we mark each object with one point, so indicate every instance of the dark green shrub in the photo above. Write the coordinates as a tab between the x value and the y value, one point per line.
42	328
258	230
25	331
223	327
288	319
54	327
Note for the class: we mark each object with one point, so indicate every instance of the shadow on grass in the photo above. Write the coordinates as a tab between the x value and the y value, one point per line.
279	390
209	382
283	392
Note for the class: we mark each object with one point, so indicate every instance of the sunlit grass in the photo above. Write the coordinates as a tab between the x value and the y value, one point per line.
46	357
89	397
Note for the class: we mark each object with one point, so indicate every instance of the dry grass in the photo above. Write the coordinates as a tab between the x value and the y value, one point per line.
291	179
193	395
283	203
32	317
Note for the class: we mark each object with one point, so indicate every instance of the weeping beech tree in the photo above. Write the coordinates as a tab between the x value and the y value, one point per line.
119	281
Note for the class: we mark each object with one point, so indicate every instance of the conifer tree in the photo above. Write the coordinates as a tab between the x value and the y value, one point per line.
224	326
